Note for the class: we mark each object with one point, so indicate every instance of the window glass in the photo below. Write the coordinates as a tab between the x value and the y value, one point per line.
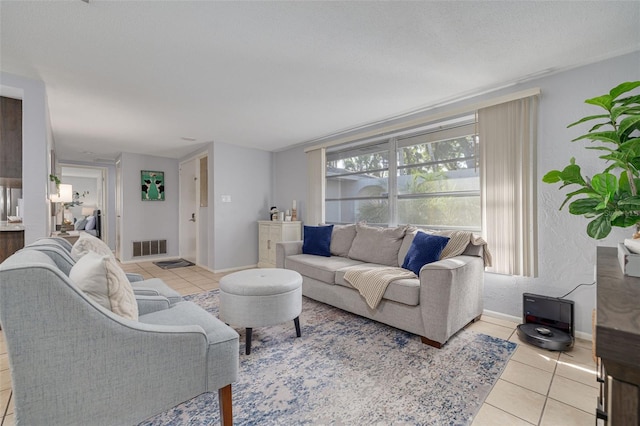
357	185
435	181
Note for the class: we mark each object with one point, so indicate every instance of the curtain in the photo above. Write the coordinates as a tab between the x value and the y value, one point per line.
316	161
508	181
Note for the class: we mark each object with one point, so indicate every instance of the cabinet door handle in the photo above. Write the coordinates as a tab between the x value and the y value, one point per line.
268	244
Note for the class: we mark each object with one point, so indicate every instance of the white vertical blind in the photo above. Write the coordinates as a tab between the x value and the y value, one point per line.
316	162
507	175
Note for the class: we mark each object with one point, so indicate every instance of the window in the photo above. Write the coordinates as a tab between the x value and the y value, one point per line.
443	175
438	180
432	180
357	185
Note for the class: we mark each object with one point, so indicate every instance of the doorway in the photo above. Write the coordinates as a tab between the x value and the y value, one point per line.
188	228
89	194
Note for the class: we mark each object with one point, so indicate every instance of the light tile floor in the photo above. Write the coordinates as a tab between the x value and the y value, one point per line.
537	387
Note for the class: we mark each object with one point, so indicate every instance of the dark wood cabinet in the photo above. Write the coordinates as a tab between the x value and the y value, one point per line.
10	139
617	340
10	242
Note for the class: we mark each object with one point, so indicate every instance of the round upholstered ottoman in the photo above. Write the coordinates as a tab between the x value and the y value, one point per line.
259	298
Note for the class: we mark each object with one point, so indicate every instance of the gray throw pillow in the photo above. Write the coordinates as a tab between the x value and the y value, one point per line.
341	239
79	226
377	245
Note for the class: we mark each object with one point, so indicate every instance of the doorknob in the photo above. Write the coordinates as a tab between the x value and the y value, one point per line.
193	217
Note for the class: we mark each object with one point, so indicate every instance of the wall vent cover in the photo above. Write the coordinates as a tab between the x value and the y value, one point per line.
149	248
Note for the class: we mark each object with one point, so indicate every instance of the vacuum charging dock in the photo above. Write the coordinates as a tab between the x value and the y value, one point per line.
547	322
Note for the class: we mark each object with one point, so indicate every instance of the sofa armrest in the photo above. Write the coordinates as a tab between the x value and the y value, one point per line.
148	304
287	248
134	277
451	295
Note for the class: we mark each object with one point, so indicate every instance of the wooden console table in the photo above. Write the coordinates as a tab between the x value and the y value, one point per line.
617	341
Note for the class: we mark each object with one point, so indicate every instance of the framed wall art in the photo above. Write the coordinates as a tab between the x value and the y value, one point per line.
152	184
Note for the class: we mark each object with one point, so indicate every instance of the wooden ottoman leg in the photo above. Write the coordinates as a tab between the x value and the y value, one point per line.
296	321
248	341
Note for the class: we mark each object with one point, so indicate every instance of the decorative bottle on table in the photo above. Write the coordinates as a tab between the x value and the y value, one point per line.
294	212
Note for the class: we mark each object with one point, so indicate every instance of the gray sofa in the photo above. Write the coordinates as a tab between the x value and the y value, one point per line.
74	362
446	296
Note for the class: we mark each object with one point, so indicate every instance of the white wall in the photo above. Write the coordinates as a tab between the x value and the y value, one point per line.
37	142
245	175
290	180
148	220
566	255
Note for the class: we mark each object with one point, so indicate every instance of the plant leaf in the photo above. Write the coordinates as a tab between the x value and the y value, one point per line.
628	101
599	125
604	101
588	191
623	88
583	206
610	136
619	111
632	122
605	184
631	201
599	227
591	117
552	176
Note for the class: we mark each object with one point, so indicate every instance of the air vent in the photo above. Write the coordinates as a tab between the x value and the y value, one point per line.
149	248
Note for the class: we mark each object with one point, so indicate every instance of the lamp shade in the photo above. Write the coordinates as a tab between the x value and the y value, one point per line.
64	194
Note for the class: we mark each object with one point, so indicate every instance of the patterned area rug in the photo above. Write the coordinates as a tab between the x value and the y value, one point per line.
349	370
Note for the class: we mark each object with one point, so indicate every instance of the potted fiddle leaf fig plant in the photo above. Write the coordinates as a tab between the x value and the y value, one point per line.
608	199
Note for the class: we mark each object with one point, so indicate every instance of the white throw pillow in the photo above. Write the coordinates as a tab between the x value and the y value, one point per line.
86	243
102	279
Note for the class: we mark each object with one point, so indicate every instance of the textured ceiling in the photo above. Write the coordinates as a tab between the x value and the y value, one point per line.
138	76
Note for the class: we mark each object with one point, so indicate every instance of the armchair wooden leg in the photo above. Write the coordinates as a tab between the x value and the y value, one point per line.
226	410
430	342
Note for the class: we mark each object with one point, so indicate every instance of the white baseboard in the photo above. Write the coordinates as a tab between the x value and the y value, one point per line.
238	268
149	259
518	320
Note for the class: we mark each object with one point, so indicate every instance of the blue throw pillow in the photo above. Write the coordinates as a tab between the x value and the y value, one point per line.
317	240
425	248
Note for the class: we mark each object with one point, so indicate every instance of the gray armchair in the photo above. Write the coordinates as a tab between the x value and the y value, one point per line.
59	250
74	362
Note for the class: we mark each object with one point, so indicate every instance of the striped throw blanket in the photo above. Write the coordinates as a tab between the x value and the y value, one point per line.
373	282
458	242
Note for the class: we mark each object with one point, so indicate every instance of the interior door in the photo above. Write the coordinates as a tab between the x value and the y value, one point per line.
188	208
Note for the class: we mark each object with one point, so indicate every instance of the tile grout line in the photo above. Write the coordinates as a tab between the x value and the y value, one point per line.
6	409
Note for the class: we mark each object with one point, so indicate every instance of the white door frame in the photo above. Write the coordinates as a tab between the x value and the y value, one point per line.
196	207
118	209
104	199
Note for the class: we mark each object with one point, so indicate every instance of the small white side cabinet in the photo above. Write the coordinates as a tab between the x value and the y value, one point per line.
270	233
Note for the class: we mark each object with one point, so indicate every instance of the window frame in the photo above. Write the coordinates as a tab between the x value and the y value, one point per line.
433	133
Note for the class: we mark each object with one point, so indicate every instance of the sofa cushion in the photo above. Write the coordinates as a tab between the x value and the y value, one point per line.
377	245
406	243
406	291
342	238
105	282
425	248
317	240
87	243
319	268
